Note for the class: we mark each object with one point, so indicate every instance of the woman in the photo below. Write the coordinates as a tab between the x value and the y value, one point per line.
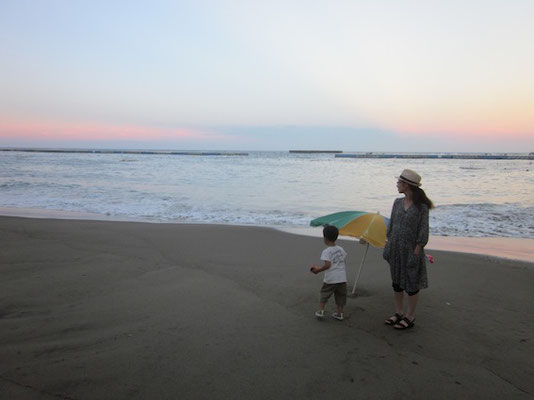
407	235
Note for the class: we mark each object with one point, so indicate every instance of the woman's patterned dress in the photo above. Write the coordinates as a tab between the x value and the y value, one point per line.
407	229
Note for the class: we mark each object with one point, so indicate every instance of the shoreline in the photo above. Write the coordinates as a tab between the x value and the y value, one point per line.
519	249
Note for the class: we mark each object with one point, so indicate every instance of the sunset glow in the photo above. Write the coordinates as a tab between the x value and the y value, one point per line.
92	131
439	76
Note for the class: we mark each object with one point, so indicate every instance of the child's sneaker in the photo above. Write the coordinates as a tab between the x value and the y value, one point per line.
319	314
337	316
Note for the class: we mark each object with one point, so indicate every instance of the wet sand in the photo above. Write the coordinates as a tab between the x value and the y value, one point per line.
520	249
511	248
124	310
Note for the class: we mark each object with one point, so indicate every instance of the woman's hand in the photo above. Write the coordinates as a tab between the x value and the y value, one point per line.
417	250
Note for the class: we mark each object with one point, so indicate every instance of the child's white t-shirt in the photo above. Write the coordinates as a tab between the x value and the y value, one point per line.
336	273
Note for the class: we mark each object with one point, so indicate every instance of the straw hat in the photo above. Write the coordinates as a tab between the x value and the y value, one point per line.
410	177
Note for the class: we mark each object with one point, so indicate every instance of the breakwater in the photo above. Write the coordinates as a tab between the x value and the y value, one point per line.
106	151
315	151
458	156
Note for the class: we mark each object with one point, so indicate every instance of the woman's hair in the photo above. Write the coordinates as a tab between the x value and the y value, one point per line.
419	197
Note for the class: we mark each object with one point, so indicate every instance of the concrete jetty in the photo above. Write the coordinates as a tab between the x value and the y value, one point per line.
315	151
453	156
108	151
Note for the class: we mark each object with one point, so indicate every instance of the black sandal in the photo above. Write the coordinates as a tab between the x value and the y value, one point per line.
394	319
407	324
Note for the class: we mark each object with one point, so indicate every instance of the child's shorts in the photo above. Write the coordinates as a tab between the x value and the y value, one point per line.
338	289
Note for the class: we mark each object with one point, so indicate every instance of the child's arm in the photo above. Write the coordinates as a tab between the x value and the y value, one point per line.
316	269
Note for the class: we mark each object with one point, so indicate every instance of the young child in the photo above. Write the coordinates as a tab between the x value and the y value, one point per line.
335	277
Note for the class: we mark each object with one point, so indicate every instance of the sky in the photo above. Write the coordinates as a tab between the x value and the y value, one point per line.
345	75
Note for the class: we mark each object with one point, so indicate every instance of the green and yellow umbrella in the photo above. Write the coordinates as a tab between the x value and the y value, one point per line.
359	224
370	227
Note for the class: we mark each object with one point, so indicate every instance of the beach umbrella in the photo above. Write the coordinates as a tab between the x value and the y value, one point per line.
371	227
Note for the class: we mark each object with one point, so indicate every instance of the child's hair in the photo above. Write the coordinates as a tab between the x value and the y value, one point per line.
330	232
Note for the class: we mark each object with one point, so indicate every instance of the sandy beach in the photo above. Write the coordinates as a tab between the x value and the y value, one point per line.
128	310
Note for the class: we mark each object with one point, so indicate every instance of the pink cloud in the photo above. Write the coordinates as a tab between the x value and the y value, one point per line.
467	131
506	122
31	130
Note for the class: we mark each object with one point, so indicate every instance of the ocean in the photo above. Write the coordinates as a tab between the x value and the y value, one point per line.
475	198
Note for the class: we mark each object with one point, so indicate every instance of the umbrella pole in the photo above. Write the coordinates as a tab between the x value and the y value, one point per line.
361	266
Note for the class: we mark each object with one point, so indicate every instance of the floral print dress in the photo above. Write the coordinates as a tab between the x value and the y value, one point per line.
406	229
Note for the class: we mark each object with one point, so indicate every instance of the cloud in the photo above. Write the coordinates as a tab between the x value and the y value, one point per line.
90	131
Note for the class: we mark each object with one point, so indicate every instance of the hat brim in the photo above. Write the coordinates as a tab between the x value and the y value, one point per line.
409	182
